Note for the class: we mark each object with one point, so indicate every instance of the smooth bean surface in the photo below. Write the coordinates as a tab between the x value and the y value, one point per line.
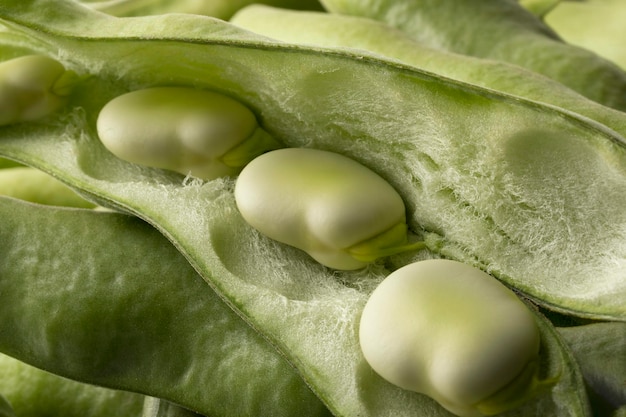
32	87
195	132
340	212
452	332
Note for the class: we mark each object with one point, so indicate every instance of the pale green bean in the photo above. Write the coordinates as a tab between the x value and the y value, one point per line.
195	132
335	209
32	87
454	333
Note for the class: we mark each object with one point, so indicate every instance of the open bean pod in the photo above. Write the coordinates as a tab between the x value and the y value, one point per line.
488	178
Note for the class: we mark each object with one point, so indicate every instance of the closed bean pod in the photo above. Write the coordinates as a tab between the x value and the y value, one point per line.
32	87
454	333
33	392
338	211
196	132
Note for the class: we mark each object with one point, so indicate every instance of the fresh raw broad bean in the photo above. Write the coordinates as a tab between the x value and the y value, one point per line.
32	87
338	211
195	132
452	332
440	143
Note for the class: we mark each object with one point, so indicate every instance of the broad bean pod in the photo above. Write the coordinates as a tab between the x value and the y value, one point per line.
7	163
444	145
500	30
222	9
153	328
597	25
454	333
33	185
539	7
32	87
32	392
201	133
156	407
368	35
338	211
5	408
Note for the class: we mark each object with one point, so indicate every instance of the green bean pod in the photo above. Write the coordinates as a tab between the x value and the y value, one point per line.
492	177
33	392
363	35
522	39
195	132
597	25
454	333
222	9
104	299
335	209
5	408
32	87
36	186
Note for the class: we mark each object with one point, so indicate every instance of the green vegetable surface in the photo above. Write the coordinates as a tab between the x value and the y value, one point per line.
597	25
184	301
32	392
110	302
500	30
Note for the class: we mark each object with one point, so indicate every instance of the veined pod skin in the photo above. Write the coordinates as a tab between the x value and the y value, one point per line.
338	211
454	333
522	39
32	87
33	392
423	133
366	34
196	132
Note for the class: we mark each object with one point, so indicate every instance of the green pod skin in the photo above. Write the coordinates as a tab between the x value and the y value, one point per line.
36	186
500	30
222	9
338	211
156	407
33	392
103	298
454	333
539	7
5	408
597	25
32	87
359	33
193	132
